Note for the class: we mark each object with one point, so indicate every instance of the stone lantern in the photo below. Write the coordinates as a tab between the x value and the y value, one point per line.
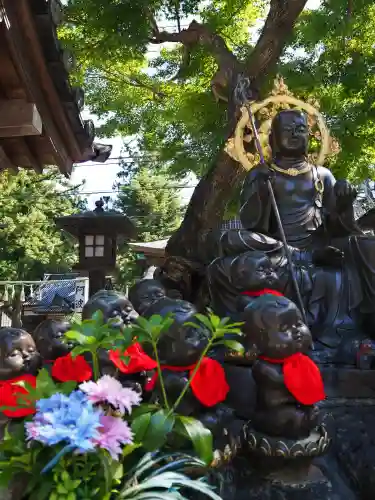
98	233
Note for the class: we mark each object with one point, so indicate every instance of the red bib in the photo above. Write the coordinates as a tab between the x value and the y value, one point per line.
209	384
265	291
302	378
138	361
9	390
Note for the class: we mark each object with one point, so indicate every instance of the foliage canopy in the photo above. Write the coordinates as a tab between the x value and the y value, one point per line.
30	244
331	57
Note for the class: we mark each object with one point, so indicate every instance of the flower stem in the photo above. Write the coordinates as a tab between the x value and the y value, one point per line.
95	366
160	375
184	390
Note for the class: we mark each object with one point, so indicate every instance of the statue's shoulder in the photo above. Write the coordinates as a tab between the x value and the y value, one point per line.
324	172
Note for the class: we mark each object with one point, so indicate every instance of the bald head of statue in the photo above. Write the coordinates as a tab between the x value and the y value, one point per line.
289	136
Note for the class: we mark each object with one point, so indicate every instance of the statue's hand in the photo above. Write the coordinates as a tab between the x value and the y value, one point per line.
263	175
345	194
328	257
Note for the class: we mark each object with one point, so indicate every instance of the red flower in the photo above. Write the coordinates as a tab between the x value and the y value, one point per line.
8	396
69	369
139	361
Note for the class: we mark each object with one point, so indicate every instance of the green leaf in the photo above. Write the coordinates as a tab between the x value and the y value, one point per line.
79	337
80	349
215	321
98	317
129	448
200	437
107	465
143	408
145	325
159	427
67	387
233	345
205	321
140	425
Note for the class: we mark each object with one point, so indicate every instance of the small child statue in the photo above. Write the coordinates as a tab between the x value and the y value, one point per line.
18	354
230	278
48	336
179	349
288	382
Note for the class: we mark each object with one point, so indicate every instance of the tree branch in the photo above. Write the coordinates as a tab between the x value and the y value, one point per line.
199	33
277	28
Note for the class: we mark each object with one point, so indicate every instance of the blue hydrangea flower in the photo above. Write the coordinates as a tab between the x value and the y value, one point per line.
66	419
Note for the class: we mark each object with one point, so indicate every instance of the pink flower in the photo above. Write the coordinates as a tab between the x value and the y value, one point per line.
32	430
114	432
108	389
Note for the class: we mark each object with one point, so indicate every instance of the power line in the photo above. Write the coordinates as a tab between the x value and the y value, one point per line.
130	188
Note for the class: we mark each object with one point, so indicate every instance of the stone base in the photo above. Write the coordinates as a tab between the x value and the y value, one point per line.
262	445
238	481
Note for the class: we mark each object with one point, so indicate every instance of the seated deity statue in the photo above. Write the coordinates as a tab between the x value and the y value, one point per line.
331	254
145	293
48	337
288	383
18	354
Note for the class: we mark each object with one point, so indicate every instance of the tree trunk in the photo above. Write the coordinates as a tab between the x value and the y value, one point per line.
214	190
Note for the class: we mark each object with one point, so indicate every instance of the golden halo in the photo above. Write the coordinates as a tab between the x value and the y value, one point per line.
239	150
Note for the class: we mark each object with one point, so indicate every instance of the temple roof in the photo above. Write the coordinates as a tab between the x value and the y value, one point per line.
40	120
157	248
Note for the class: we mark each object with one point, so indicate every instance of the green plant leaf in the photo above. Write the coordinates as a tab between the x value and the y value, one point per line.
107	464
144	325
161	424
67	387
129	448
98	317
143	408
215	321
79	349
205	321
199	435
233	345
80	338
140	425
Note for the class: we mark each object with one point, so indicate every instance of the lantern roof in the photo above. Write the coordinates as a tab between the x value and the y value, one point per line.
98	221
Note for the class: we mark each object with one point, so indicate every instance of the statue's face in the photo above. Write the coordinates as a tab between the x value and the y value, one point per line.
18	355
49	340
120	310
183	344
286	333
147	295
291	134
255	274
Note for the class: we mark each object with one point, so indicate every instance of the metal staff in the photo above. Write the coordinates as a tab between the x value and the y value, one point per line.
258	145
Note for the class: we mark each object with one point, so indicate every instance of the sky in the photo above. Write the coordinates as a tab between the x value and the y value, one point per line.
99	178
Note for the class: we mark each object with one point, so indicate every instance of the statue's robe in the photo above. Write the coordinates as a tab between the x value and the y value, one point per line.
335	298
